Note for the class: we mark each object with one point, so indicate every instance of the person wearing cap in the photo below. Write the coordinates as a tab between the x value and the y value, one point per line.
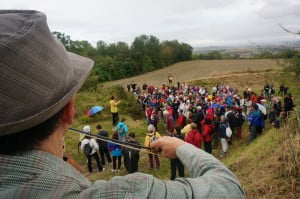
151	136
90	147
38	82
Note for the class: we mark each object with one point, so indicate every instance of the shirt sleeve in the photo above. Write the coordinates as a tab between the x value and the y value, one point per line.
209	179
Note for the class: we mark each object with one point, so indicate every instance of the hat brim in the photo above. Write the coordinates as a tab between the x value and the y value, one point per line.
82	67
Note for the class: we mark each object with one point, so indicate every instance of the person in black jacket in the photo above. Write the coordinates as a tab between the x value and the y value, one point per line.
176	163
131	156
230	116
103	150
288	103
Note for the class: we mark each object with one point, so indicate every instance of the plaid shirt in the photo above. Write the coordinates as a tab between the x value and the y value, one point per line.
37	174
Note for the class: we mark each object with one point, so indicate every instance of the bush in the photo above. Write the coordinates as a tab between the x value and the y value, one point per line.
118	91
132	107
90	83
129	104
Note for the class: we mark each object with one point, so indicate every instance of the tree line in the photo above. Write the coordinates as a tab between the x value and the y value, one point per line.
120	60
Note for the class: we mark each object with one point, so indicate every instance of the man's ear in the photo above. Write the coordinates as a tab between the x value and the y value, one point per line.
69	112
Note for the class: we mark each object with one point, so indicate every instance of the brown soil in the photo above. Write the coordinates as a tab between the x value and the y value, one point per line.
199	69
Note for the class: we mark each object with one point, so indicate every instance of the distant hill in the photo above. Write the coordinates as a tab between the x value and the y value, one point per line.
191	70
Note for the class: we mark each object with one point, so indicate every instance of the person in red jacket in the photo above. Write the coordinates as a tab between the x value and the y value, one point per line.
194	137
207	131
169	123
181	120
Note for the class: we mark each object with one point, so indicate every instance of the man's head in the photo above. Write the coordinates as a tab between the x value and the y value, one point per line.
99	127
37	83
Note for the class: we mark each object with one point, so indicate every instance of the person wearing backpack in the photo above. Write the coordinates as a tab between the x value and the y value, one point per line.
122	130
230	116
131	156
152	136
103	150
223	135
116	152
89	147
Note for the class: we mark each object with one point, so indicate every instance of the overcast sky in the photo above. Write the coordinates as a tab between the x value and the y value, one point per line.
197	22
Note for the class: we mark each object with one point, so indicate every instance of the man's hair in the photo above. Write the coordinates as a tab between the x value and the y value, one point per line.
99	126
29	138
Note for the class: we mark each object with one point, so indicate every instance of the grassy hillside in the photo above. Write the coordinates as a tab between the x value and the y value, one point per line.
261	167
194	70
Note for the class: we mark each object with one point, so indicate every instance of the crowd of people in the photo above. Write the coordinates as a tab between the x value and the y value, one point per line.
199	116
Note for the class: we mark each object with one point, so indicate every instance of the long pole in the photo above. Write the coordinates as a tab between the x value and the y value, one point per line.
123	144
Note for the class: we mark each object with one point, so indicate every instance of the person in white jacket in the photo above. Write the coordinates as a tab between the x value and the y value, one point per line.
90	147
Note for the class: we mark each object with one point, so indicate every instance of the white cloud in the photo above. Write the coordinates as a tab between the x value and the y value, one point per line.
198	22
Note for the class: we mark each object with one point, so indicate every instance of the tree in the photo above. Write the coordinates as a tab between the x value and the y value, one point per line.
64	39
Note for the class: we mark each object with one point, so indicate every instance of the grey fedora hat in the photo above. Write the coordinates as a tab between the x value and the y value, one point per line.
38	77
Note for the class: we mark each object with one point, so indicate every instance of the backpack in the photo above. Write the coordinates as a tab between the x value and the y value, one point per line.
87	149
228	131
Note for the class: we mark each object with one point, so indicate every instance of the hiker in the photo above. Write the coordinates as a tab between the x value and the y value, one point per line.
194	137
32	136
230	116
176	164
169	123
116	153
216	123
207	132
181	120
128	87
288	103
152	136
114	110
254	122
281	89
90	147
148	113
154	118
187	128
103	150
170	78
122	130
223	135
131	156
239	121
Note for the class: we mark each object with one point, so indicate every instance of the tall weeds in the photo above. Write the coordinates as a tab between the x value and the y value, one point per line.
290	156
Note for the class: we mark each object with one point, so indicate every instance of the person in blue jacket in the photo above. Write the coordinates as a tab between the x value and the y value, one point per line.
122	130
256	121
116	153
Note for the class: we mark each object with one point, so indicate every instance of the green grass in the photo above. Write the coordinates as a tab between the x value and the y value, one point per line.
253	164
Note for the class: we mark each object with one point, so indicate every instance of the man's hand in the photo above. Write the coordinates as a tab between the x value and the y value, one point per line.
167	146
